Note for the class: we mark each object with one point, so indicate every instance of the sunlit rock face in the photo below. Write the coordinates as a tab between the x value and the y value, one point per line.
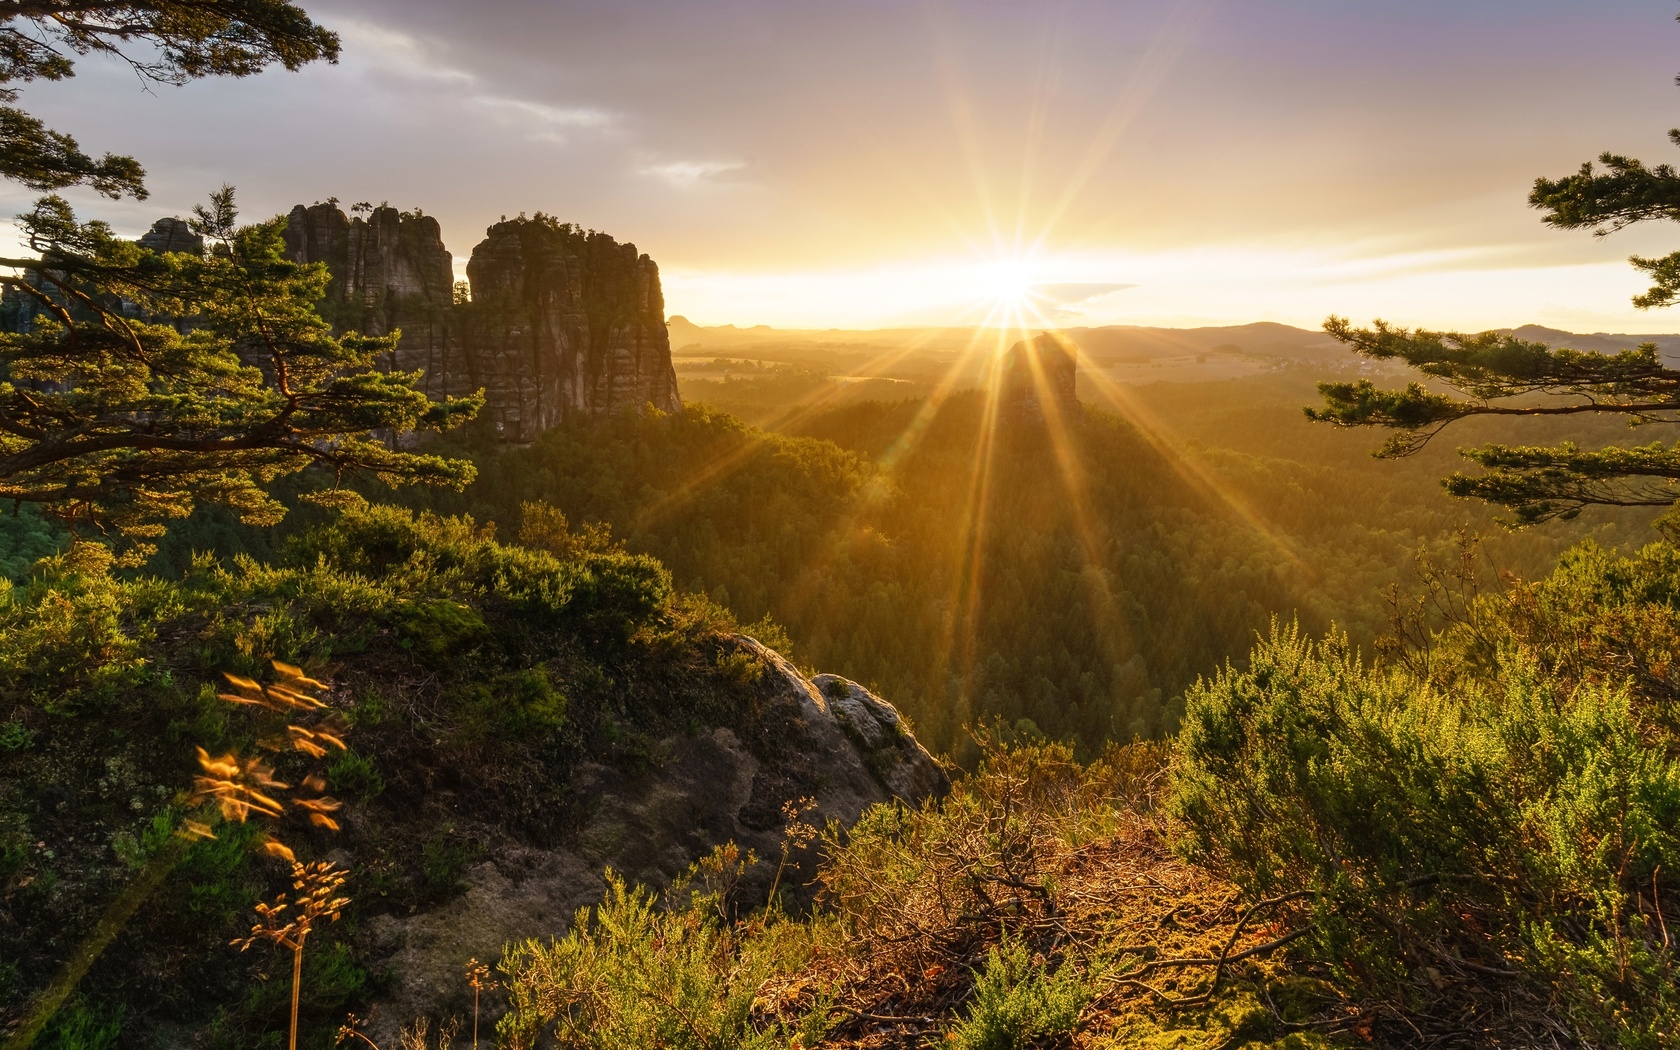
565	323
559	323
1039	377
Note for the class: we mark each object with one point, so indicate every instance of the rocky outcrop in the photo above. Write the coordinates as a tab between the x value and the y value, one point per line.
844	748
1039	377
172	234
19	308
390	272
565	323
387	268
555	323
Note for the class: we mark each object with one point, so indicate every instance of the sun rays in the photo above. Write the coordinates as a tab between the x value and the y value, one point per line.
1005	292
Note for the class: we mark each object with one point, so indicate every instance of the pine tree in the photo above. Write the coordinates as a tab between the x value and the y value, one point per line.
136	383
1498	374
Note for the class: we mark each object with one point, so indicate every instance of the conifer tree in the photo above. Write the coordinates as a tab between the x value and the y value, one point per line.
135	383
163	41
1498	374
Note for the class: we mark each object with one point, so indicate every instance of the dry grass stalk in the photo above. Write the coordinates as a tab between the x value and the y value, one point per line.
288	923
244	787
478	979
797	833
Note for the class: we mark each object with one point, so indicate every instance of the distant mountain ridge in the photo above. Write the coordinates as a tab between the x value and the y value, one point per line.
1268	339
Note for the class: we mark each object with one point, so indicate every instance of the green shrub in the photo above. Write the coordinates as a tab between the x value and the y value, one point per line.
444	859
80	1026
1515	822
14	736
355	775
438	627
630	976
1018	1002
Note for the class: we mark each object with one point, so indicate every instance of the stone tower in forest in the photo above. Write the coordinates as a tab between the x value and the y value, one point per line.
1039	376
558	323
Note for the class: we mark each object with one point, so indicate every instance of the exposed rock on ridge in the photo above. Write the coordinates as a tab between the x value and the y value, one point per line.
565	322
387	268
845	748
172	234
559	322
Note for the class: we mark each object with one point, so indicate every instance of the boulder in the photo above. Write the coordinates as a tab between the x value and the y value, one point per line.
841	749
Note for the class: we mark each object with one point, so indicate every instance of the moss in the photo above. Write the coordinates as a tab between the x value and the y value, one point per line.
444	859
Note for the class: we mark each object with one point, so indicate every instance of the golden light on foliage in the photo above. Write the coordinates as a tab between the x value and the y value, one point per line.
294	690
236	785
245	786
288	923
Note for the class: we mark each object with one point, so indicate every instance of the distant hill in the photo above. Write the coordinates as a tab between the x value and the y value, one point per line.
1107	344
1119	343
1600	342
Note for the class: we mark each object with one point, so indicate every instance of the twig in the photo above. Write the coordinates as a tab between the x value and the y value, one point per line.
1656	901
884	1018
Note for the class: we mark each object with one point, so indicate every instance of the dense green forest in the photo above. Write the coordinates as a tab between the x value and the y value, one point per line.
1107	576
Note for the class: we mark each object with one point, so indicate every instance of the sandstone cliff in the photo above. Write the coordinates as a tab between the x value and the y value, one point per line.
565	323
172	234
557	322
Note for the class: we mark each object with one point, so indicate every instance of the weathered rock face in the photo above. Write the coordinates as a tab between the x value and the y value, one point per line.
846	749
566	323
172	235
390	272
389	266
559	323
1039	377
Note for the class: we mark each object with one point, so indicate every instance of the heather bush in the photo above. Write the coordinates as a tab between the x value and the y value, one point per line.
1495	834
631	976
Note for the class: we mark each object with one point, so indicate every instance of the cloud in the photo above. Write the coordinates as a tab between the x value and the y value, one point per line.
1073	294
686	173
396	53
399	55
545	123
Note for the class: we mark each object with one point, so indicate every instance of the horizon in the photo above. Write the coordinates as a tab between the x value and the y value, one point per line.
1166	163
1311	329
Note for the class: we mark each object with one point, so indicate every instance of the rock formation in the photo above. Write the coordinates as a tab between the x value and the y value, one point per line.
19	308
843	747
390	272
172	234
1039	377
557	323
565	322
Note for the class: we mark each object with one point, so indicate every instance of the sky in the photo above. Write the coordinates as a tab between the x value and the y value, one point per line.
877	163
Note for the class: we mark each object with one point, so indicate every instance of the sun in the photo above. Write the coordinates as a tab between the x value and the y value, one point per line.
1006	285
